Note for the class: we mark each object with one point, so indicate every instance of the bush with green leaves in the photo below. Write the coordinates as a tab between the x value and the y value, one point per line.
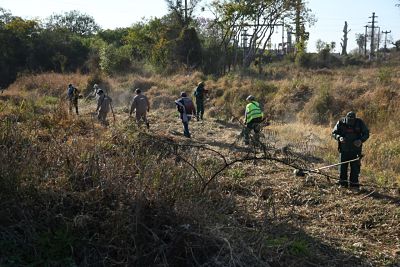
114	59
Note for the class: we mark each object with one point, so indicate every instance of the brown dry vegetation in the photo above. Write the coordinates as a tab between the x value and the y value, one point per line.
76	194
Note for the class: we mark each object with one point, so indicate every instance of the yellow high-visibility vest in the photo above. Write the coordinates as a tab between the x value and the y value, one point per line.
253	111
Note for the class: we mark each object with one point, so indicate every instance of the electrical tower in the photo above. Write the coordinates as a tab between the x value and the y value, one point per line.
372	52
386	32
365	40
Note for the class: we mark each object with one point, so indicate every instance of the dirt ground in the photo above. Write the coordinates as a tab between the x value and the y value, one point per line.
330	225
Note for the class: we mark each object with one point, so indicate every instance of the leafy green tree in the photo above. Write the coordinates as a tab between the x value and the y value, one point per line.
360	39
320	45
15	45
115	59
257	18
116	37
397	45
189	48
5	16
142	37
161	54
182	15
75	22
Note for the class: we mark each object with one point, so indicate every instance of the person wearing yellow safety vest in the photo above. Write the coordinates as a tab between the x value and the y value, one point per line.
253	118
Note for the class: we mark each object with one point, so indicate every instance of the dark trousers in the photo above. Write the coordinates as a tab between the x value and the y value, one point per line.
255	126
140	117
73	103
200	108
355	168
186	129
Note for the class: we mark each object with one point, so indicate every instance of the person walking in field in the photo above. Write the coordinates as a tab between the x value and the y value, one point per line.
350	132
104	105
253	117
96	89
140	105
73	95
186	110
200	92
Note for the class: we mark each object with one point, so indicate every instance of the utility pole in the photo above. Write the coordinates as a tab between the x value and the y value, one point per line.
289	41
283	37
244	43
372	33
186	12
386	32
379	41
365	40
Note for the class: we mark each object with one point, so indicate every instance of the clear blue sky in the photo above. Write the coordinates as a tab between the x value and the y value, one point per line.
122	13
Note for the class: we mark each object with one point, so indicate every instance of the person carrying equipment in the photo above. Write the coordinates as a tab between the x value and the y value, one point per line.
141	106
104	104
73	95
253	117
350	132
199	94
186	109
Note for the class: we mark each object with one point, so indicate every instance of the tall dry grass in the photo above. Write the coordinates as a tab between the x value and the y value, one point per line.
316	97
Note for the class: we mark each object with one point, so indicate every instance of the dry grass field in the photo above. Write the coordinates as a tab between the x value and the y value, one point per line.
76	193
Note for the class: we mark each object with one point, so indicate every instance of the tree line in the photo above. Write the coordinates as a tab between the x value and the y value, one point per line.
73	41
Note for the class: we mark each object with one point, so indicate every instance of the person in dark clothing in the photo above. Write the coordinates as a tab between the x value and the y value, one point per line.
350	132
187	110
104	105
140	105
199	94
73	95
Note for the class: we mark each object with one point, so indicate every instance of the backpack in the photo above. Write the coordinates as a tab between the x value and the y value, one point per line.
342	124
70	91
189	106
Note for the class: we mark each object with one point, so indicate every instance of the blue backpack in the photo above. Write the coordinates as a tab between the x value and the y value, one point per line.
70	91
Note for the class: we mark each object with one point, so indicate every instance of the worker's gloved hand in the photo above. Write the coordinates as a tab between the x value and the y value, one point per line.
342	139
357	143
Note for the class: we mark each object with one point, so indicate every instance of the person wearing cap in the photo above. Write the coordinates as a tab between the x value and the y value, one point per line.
350	132
94	93
141	106
186	110
199	94
253	117
104	104
96	89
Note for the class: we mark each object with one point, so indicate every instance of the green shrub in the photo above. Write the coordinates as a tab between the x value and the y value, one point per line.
353	60
299	248
115	59
303	60
385	76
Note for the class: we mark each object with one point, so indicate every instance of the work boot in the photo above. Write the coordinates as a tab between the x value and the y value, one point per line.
343	183
354	185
